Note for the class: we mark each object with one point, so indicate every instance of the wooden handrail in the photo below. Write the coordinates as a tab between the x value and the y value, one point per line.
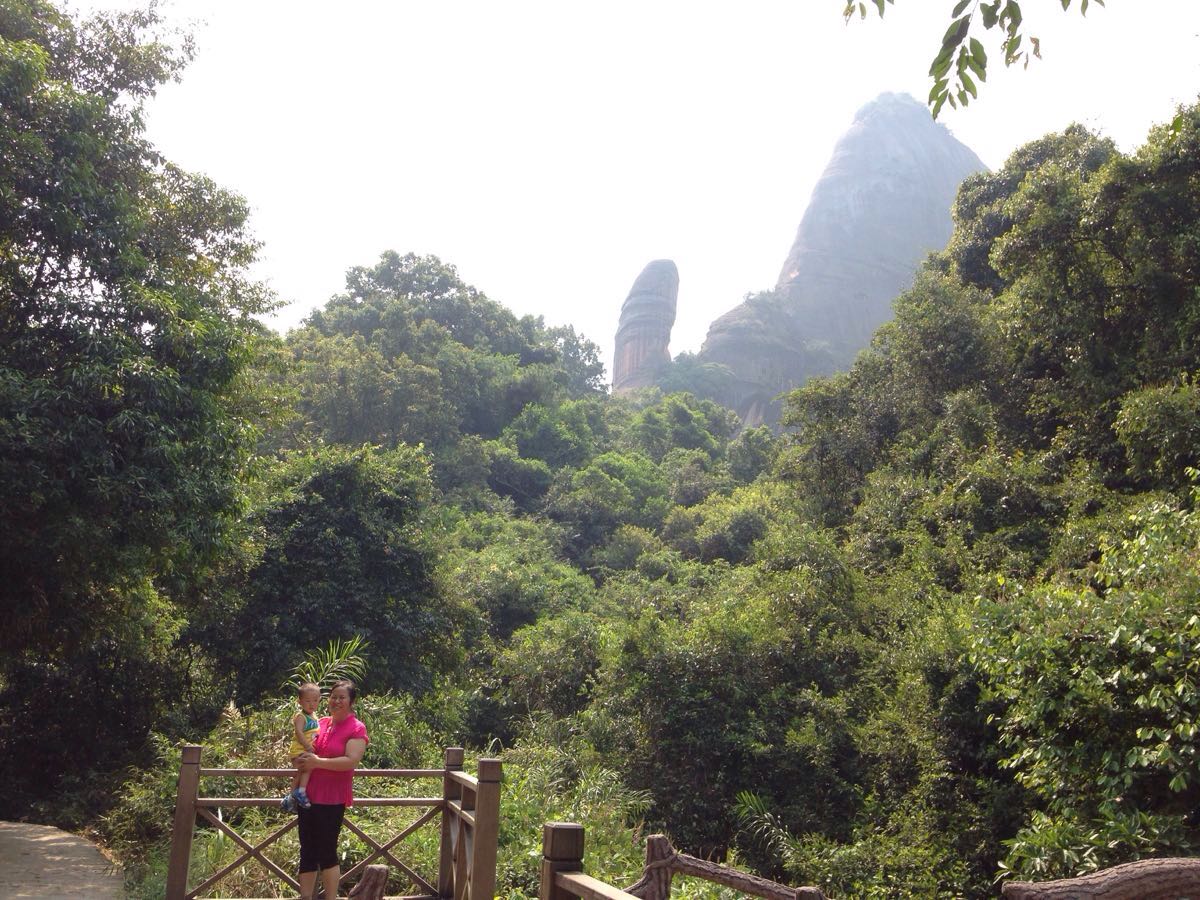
589	888
235	802
1147	879
563	877
357	773
466	814
461	778
663	861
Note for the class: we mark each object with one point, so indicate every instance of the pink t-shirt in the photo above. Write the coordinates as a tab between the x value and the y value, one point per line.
325	786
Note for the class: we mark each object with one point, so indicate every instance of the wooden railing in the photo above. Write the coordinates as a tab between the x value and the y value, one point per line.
468	808
1148	879
563	877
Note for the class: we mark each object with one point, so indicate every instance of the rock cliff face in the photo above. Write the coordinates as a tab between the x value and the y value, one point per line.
644	332
882	204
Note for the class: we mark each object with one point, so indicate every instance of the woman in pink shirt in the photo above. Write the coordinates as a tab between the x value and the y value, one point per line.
337	749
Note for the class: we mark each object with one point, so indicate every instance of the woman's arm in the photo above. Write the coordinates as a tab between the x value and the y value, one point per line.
355	748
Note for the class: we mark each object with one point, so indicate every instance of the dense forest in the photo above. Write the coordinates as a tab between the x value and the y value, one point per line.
944	628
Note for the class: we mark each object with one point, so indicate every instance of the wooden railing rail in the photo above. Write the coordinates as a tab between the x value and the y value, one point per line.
576	884
358	773
468	809
1147	879
562	876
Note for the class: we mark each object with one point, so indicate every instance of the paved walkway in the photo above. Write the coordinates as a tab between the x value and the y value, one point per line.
41	861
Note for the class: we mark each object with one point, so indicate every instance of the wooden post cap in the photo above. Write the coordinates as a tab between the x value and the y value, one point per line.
454	757
489	770
191	753
562	841
658	846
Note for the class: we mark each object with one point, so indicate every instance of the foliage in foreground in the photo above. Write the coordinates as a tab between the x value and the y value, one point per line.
1100	700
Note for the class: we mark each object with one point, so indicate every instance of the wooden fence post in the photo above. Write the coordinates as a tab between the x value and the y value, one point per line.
562	851
372	885
451	790
655	883
185	822
487	830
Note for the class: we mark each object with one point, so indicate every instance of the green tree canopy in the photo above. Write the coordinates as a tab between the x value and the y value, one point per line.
345	552
409	352
126	410
682	421
124	327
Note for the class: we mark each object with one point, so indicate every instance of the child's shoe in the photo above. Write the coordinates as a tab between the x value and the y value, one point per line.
288	802
301	797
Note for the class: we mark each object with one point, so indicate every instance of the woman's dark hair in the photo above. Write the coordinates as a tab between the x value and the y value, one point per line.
350	686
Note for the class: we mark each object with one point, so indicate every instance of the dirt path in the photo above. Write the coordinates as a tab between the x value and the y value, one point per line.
41	861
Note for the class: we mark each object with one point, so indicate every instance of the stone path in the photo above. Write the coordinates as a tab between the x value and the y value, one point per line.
41	861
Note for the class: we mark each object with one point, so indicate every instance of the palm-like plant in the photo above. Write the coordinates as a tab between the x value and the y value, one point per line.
340	659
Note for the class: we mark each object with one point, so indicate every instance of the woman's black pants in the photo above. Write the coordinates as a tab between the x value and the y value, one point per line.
319	828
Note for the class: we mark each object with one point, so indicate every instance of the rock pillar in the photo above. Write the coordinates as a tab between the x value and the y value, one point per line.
644	333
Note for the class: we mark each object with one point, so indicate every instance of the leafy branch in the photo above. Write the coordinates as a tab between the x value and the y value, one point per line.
962	59
325	667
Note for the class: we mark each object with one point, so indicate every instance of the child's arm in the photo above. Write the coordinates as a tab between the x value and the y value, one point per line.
298	722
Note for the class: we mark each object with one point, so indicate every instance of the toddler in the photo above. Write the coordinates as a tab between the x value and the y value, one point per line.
304	728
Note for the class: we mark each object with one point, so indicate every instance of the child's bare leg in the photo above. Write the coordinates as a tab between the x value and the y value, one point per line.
290	801
300	785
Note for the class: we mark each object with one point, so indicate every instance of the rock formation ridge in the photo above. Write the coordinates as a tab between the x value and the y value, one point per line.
881	205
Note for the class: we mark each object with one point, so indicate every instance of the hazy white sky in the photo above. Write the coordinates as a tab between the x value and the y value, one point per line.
550	149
